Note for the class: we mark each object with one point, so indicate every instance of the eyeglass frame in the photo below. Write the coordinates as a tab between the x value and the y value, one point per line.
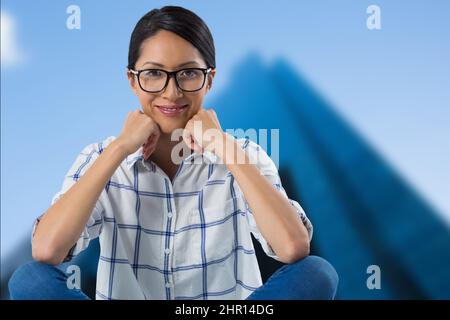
171	74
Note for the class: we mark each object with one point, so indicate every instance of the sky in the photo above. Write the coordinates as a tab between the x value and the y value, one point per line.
63	89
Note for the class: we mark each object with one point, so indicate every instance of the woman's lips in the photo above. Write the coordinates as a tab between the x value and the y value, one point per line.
173	110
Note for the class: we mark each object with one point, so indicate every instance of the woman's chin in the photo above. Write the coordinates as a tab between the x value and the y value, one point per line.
169	128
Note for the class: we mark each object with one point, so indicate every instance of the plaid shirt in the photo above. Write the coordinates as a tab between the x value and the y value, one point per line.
183	239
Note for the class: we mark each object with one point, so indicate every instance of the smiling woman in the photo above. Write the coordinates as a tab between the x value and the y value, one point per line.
173	40
174	230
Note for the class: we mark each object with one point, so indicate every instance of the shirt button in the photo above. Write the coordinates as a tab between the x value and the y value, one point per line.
167	251
169	214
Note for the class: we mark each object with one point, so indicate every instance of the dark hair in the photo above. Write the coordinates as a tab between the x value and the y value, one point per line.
178	20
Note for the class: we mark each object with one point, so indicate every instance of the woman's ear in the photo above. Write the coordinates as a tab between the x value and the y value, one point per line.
133	82
210	79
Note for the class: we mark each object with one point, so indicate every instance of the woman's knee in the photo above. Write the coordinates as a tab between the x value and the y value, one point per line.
29	278
321	273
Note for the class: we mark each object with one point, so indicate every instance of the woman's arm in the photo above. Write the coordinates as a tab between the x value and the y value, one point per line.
275	217
277	220
61	226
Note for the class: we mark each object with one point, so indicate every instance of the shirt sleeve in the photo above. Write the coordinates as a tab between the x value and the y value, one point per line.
93	226
267	168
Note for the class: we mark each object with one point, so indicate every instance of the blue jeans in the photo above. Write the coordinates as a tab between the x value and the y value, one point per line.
309	278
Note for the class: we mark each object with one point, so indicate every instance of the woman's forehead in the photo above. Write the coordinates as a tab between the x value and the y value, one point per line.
168	49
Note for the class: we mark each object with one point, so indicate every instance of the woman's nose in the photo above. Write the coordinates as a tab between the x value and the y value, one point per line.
171	90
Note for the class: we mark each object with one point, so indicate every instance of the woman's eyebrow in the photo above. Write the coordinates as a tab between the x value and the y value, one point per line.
163	66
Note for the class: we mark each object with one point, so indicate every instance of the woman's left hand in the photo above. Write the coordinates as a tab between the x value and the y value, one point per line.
203	132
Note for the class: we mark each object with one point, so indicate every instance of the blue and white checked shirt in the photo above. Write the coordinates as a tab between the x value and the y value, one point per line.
183	239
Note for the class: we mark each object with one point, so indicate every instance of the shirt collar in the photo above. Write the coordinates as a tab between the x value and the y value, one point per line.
192	158
137	156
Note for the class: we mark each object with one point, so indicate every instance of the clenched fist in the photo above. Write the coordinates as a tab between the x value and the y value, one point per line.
140	130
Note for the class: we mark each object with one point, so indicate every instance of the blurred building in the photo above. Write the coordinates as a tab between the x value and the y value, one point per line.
362	211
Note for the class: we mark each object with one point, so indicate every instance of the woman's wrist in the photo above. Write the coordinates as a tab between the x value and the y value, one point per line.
230	152
119	147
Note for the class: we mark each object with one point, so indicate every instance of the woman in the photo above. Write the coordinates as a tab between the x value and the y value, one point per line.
170	229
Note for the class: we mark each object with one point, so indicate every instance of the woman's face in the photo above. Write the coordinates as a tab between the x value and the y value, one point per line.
167	51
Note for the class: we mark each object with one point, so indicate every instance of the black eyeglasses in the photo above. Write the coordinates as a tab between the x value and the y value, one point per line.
156	80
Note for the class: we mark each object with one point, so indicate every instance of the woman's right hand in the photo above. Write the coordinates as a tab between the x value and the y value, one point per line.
139	130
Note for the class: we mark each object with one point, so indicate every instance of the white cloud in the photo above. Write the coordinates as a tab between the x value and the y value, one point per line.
10	51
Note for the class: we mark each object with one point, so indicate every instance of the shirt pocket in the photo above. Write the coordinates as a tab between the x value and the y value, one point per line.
216	230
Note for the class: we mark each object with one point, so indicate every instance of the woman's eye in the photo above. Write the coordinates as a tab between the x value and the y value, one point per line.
188	74
152	73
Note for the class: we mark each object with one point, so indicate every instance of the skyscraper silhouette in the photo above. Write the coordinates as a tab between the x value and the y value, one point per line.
363	212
